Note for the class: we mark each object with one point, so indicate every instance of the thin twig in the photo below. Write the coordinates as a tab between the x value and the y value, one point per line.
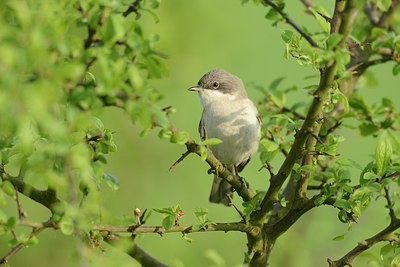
384	21
236	207
132	249
291	22
142	229
389	204
20	246
308	3
181	158
21	212
371	12
384	235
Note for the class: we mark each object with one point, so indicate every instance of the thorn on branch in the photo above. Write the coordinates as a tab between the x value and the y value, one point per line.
328	19
236	208
184	155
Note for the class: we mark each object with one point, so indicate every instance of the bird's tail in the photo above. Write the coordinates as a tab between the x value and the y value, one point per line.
220	190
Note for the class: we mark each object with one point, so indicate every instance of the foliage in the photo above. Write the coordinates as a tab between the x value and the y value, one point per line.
65	61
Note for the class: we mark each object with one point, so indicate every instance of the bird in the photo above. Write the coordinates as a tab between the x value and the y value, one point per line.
230	116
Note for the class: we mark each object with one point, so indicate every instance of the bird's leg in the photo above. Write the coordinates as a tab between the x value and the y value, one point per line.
244	182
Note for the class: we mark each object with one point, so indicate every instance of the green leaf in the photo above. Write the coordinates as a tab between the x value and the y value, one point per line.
179	137
211	142
275	83
367	128
67	226
319	201
165	134
325	25
333	40
8	188
186	238
31	241
307	168
203	152
12	222
284	202
370	176
268	145
286	36
168	222
272	14
385	250
338	238
201	214
396	69
343	204
343	100
383	152
111	180
396	261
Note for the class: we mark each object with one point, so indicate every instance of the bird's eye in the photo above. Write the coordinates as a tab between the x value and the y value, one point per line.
215	85
199	83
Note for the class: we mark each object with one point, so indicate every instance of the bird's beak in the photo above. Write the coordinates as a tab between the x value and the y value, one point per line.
195	88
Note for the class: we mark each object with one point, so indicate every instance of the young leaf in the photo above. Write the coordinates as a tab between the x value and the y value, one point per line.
168	222
111	180
211	142
383	152
180	137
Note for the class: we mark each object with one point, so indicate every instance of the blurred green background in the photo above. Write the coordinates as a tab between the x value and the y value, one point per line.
198	36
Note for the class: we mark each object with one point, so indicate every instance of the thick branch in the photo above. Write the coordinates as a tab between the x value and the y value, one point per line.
327	78
244	192
384	235
291	22
47	197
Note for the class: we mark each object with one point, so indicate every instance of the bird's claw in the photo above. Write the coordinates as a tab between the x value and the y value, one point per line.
211	171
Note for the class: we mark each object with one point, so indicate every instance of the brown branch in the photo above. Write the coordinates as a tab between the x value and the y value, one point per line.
35	232
244	192
241	214
327	78
291	22
371	12
308	3
143	229
47	197
133	8
181	158
133	250
384	21
390	204
384	235
344	23
336	19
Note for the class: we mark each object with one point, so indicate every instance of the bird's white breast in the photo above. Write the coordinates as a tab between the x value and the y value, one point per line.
235	122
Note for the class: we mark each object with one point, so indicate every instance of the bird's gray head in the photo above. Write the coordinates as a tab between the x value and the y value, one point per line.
220	83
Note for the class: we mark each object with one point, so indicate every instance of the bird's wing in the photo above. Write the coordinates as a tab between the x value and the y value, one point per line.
259	120
202	128
243	164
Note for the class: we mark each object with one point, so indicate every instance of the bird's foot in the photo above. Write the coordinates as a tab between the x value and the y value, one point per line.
211	171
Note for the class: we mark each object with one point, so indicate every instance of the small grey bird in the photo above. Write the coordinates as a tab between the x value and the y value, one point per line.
230	116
